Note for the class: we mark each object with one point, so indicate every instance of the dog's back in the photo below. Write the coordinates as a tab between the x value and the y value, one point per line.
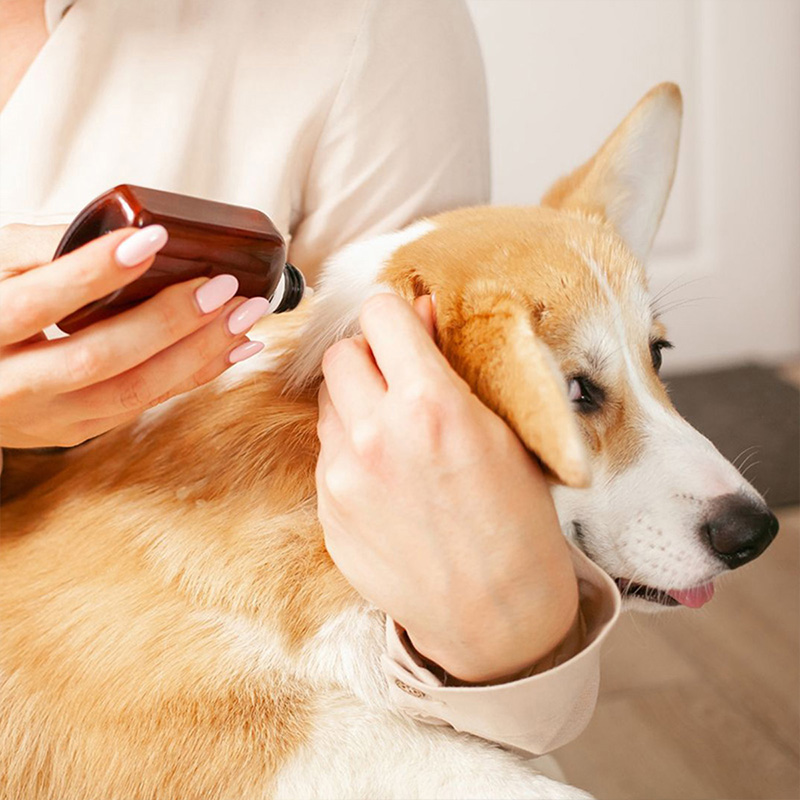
128	582
174	628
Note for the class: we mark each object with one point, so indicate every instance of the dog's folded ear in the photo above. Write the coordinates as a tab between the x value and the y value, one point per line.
489	339
628	180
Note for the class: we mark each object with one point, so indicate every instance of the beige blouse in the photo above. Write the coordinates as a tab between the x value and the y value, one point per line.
337	119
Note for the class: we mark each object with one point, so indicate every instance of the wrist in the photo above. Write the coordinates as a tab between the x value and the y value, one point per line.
483	652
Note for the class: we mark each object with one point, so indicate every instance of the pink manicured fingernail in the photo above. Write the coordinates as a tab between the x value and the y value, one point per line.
141	245
244	351
216	292
247	314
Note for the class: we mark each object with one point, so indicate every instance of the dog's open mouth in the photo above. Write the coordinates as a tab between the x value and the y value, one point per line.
691	598
695	597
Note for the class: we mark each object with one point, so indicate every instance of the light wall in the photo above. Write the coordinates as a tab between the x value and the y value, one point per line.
563	73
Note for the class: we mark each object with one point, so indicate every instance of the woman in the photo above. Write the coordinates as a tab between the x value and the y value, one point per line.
339	121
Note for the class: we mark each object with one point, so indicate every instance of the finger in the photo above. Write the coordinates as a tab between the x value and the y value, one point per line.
332	437
124	341
44	295
330	429
37	337
208	373
80	432
354	383
423	308
400	343
116	345
25	246
150	383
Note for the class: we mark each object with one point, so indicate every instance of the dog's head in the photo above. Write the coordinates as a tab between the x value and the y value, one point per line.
546	313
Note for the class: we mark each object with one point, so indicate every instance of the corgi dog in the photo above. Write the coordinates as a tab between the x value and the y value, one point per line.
172	625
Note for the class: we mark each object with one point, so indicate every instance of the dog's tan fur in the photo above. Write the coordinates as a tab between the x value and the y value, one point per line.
115	682
101	570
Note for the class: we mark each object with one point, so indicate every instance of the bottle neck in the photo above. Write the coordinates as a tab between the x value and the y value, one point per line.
289	291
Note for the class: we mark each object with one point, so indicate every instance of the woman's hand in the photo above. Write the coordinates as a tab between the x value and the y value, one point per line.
432	508
64	391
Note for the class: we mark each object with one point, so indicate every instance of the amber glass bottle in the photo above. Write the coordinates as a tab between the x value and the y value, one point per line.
205	239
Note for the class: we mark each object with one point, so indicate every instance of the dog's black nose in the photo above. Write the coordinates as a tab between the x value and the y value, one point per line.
738	530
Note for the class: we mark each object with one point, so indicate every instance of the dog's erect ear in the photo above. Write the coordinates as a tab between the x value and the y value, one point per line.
488	337
628	180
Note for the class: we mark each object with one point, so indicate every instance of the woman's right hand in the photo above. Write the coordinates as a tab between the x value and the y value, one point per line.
64	391
432	508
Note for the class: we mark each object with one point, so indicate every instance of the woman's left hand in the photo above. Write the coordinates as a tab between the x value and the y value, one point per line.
64	391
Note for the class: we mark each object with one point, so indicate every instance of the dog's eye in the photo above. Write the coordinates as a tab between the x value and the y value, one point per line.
655	352
585	394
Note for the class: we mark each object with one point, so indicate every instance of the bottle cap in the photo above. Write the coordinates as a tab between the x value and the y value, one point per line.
289	291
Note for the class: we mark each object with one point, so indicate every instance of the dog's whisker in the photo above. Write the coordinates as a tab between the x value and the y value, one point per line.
749	467
742	454
744	463
750	456
670	289
690	301
743	451
659	305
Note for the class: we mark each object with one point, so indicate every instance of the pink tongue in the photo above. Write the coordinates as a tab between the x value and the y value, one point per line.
693	598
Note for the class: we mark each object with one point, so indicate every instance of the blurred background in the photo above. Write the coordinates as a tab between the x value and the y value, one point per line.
705	703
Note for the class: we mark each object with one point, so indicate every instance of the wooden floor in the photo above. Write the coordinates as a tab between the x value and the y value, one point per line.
704	703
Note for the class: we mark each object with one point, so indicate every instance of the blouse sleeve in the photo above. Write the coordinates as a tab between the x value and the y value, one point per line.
540	710
406	135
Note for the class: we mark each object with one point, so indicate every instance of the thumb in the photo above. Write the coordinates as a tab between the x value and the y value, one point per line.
425	310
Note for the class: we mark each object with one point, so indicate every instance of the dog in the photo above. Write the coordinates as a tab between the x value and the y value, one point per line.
173	626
